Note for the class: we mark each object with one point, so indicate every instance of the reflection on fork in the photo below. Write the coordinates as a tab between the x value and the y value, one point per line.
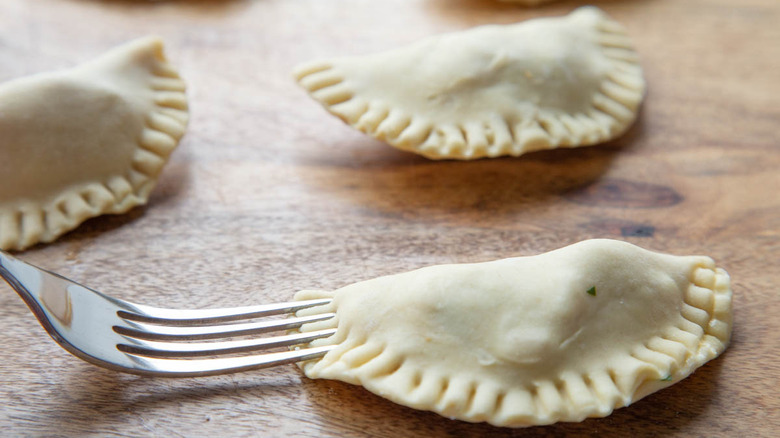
139	339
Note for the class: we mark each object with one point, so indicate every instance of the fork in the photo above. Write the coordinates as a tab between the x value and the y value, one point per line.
152	341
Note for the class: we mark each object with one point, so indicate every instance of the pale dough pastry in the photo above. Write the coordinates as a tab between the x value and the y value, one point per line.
86	141
561	336
489	91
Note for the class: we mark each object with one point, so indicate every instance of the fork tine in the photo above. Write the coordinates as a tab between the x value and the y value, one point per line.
210	316
93	327
193	349
156	332
210	367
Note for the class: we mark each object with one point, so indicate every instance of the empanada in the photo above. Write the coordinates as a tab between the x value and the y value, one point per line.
561	336
86	141
490	91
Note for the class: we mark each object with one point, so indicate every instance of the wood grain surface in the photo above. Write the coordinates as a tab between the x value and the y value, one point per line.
268	194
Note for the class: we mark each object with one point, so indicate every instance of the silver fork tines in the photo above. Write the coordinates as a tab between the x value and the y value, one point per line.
146	340
179	333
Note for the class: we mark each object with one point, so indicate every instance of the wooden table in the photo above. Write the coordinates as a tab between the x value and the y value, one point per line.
268	194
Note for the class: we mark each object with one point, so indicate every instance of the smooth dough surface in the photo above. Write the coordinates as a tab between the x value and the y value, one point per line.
86	141
561	336
492	90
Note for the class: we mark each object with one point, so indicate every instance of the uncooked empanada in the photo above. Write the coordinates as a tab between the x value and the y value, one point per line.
490	91
560	336
86	141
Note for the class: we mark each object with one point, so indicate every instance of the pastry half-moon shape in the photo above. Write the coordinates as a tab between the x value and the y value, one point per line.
490	91
86	141
561	336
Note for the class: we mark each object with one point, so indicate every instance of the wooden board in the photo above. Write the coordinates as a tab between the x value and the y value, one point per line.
268	194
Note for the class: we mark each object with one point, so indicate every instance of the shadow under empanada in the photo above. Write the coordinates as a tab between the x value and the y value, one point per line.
92	229
407	187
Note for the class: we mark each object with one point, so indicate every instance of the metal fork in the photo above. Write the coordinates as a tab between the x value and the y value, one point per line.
139	339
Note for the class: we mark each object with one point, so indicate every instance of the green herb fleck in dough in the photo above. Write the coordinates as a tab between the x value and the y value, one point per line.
592	291
667	378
